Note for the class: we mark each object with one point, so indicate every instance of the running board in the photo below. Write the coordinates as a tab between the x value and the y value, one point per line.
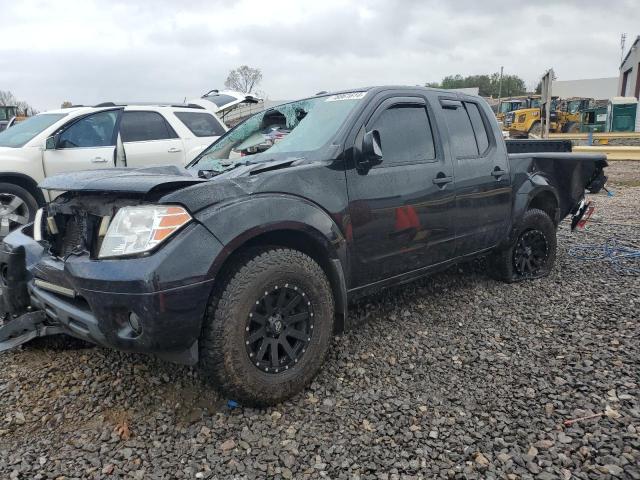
17	331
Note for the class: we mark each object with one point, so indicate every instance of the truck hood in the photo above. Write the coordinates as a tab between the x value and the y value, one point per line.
130	180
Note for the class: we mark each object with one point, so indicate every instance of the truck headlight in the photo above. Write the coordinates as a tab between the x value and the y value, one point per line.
142	228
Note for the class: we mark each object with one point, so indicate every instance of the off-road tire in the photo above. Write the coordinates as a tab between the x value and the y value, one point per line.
501	262
224	360
536	130
571	127
22	193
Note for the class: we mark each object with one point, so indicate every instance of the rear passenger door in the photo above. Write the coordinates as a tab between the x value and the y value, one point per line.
148	139
401	210
483	191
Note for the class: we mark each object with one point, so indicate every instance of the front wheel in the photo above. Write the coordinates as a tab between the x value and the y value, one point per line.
531	253
268	328
17	208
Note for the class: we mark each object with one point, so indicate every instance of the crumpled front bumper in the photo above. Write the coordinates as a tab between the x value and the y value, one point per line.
165	293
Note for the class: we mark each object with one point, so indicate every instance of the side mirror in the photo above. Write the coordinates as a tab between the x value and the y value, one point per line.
371	153
52	142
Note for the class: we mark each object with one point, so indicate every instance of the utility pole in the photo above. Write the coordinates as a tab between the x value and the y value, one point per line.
500	86
547	80
623	39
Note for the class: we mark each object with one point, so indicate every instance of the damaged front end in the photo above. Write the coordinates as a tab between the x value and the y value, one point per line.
56	277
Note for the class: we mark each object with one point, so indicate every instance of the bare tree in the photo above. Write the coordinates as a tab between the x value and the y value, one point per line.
244	79
8	98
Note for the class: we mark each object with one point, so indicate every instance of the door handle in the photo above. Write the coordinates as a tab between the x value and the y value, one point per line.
497	173
442	180
99	160
174	150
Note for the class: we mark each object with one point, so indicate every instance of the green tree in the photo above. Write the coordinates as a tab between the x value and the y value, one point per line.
488	85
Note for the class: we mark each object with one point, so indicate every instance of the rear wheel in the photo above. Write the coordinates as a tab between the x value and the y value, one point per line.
536	130
532	251
269	328
17	207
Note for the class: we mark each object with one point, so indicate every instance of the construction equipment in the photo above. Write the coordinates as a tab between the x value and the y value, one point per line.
570	114
7	113
507	105
564	117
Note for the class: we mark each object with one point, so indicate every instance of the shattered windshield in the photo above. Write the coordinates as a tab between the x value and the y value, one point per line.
292	128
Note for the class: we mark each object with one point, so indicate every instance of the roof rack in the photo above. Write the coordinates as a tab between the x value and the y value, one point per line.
148	104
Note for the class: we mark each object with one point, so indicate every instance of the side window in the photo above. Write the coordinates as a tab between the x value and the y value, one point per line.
93	131
462	138
144	126
480	131
201	124
405	135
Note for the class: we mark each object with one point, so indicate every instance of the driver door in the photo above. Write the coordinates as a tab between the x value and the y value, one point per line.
85	144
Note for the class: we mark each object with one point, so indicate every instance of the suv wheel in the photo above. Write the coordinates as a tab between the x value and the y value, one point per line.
532	251
17	207
269	327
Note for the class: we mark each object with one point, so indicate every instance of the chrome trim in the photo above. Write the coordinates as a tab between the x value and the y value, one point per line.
52	287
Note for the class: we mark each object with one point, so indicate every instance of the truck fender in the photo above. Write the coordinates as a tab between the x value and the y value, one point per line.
537	189
244	220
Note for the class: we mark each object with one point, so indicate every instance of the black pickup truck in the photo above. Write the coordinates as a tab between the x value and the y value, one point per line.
245	261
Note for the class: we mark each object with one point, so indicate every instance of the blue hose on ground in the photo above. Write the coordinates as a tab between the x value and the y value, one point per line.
623	258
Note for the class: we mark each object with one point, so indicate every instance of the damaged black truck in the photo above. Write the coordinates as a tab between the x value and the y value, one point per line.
245	261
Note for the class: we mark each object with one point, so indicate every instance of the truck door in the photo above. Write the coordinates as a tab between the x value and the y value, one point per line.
483	190
148	139
401	210
87	143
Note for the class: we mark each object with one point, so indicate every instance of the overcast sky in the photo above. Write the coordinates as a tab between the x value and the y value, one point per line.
164	50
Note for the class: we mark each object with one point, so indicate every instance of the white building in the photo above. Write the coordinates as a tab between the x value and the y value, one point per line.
596	88
629	82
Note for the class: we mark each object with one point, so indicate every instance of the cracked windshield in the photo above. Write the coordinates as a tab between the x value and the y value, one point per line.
289	130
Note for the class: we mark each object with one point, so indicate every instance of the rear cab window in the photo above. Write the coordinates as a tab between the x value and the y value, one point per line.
201	124
469	136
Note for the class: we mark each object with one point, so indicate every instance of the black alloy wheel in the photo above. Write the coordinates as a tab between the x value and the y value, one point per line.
531	252
279	328
268	327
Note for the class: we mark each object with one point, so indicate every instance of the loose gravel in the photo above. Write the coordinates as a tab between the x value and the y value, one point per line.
456	376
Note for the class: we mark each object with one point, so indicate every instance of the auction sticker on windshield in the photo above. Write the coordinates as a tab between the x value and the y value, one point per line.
346	96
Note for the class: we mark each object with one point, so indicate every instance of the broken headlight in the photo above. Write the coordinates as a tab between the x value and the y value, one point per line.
140	229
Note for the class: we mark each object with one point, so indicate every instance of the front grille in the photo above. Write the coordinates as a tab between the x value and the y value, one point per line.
74	235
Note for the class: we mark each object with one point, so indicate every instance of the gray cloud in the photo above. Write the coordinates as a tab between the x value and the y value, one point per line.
147	50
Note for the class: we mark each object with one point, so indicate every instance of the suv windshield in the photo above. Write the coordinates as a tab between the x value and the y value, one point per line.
18	135
292	129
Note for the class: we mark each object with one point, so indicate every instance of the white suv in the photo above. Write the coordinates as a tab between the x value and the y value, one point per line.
103	136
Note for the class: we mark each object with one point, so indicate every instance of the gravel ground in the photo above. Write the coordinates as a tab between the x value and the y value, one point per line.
456	376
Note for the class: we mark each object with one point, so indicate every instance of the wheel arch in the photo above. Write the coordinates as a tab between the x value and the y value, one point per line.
25	182
546	200
283	222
